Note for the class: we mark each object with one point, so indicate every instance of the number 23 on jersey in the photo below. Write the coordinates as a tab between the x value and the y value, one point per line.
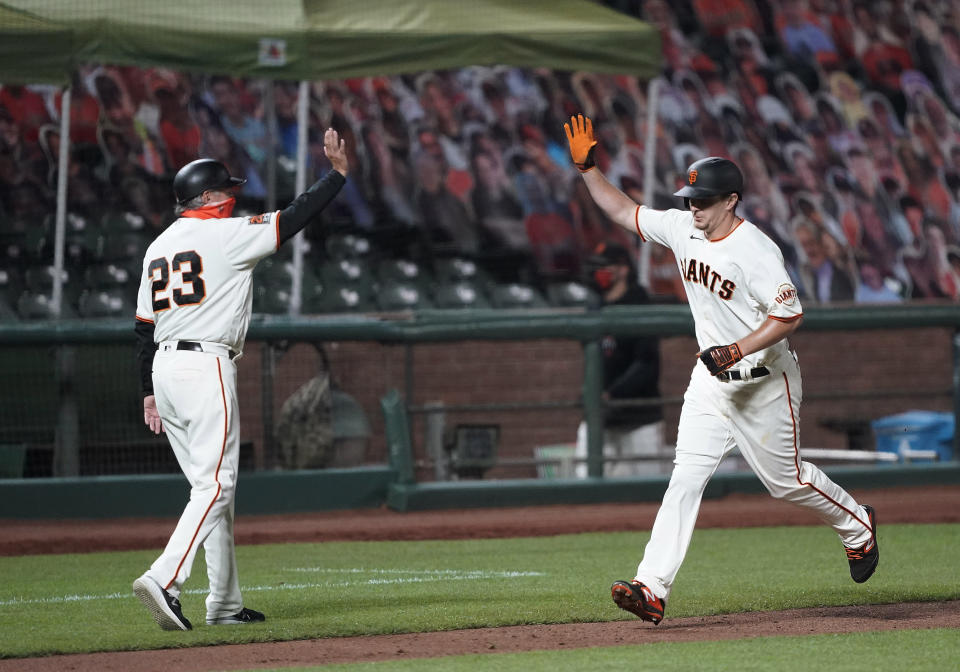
191	290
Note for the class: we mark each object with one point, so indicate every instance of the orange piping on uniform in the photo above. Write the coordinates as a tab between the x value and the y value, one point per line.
636	219
796	463
785	319
276	225
143	319
216	477
735	227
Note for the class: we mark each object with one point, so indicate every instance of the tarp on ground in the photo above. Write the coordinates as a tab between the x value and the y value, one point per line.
319	39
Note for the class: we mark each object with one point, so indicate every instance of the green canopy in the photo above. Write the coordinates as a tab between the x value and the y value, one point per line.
42	40
33	49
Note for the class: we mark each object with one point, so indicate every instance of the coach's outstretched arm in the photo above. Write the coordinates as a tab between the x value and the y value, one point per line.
310	203
617	205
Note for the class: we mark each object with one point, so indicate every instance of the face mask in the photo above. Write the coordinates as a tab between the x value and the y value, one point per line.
217	210
603	278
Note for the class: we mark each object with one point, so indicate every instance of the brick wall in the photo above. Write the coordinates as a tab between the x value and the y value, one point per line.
909	363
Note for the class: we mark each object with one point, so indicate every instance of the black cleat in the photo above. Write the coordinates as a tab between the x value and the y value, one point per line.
863	560
165	609
638	599
243	616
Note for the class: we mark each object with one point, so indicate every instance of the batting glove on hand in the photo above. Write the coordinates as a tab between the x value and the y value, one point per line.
719	358
581	142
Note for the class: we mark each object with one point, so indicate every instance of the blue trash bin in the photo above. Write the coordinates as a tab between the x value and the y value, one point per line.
916	430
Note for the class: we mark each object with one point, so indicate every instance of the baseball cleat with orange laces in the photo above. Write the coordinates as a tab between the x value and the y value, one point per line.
863	560
638	599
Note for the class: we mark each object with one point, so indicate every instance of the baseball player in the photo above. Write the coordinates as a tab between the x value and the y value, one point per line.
193	310
745	388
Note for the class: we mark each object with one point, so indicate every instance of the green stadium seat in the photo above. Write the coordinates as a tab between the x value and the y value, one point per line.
515	295
39	306
347	246
458	269
569	294
270	299
401	270
459	295
117	221
40	278
8	312
104	303
346	271
332	295
107	275
394	295
126	245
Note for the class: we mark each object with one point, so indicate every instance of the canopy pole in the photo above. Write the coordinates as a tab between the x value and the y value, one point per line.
61	217
303	108
270	108
649	172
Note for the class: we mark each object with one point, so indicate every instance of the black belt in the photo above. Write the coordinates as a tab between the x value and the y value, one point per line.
755	372
196	347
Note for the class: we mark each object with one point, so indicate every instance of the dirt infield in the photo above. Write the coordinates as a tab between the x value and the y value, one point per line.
934	504
931	504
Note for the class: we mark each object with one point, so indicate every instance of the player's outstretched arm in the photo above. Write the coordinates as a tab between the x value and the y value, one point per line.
618	206
311	203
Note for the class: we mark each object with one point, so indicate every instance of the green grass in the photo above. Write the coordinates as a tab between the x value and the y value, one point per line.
913	650
80	603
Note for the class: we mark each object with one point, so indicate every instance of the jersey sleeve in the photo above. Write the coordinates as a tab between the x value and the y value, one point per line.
661	226
247	240
145	297
772	288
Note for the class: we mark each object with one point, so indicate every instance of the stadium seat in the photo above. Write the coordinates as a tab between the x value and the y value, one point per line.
270	299
39	306
394	295
40	278
569	294
457	269
104	303
11	281
338	297
515	295
459	295
116	221
7	311
400	270
346	271
106	275
347	246
122	246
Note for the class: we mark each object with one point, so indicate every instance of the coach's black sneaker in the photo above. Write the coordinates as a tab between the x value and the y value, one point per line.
243	616
863	560
638	599
165	609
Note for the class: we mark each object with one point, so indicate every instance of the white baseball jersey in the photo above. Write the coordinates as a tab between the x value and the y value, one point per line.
196	283
733	283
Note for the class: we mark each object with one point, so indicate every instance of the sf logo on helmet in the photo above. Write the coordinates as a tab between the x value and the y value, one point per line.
693	176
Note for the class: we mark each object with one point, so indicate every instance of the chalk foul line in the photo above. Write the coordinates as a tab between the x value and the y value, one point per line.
380	577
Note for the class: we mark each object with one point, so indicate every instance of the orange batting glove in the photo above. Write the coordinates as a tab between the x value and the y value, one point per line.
581	142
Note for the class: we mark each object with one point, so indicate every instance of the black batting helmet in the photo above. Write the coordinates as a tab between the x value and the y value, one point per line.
712	176
199	176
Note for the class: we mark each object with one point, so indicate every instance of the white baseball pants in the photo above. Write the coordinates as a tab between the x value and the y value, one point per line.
197	401
762	418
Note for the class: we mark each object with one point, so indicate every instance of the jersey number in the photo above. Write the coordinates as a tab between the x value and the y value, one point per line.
189	265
